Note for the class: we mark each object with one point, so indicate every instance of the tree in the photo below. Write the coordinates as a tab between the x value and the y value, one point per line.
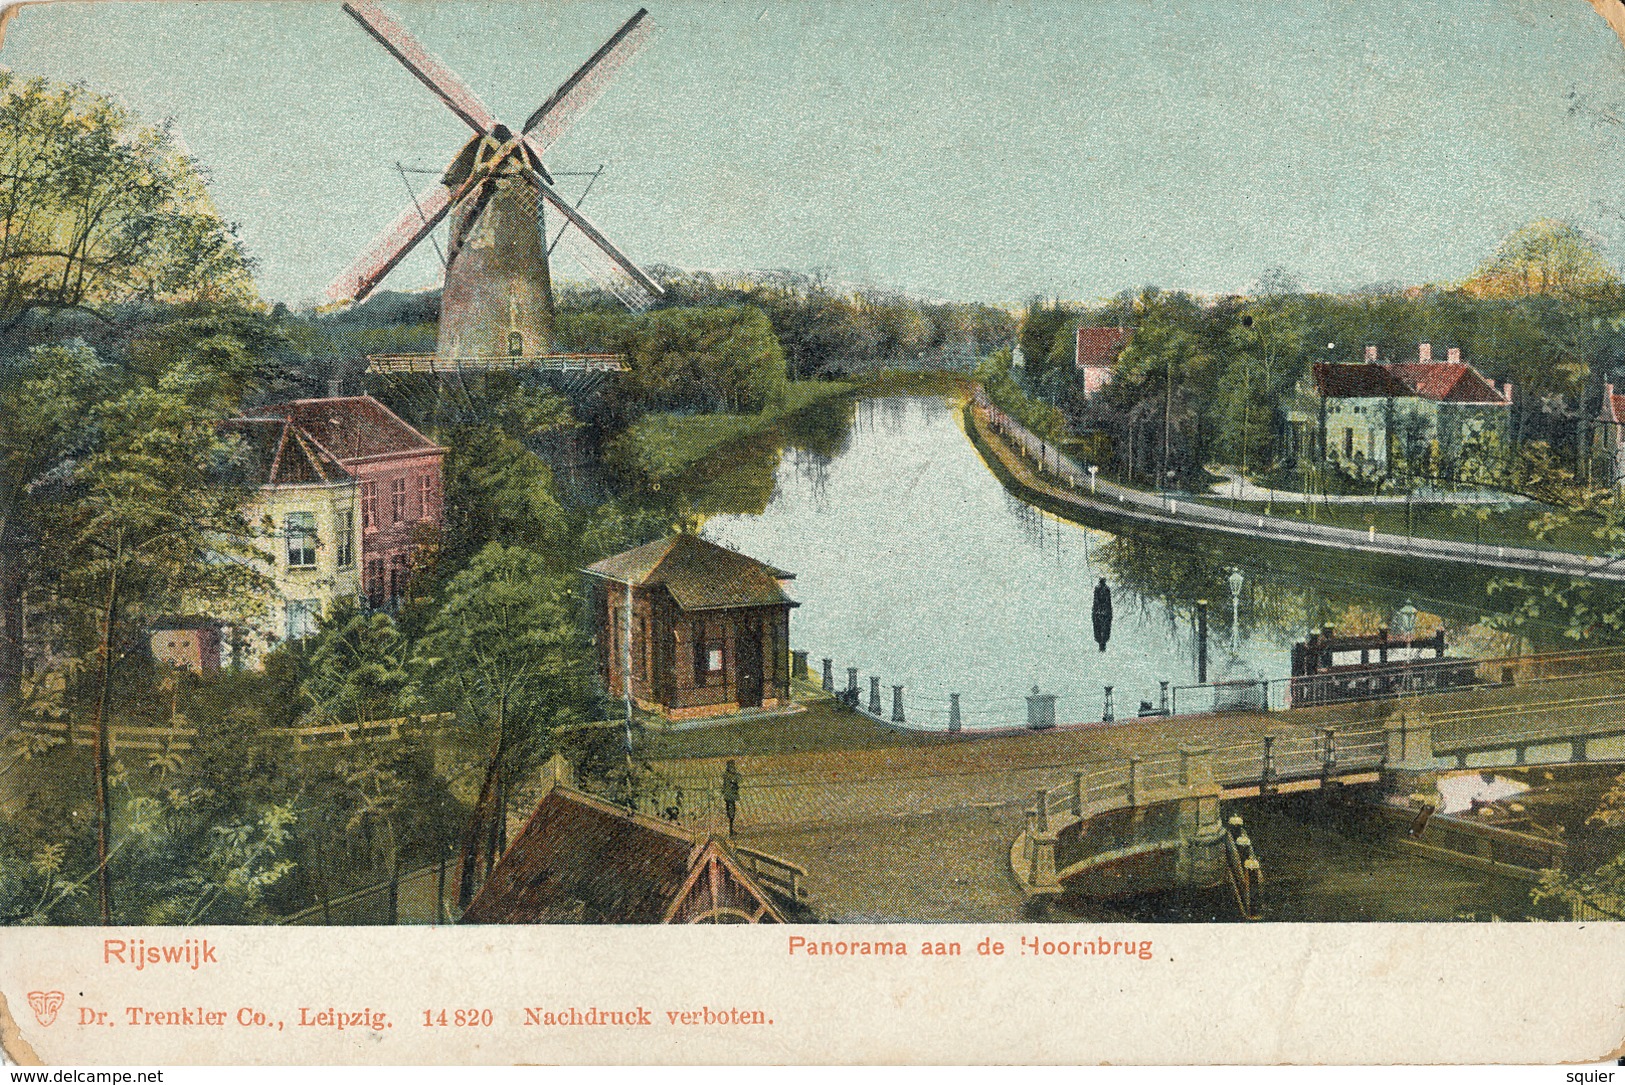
96	209
505	647
148	522
1266	341
357	664
1544	257
497	490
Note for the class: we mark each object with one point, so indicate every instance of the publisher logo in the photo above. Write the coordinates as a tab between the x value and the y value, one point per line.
45	1004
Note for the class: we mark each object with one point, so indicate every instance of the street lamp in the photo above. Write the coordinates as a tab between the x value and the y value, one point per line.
1236	580
1092	471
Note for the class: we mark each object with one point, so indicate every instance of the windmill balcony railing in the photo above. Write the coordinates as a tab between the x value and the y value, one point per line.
434	363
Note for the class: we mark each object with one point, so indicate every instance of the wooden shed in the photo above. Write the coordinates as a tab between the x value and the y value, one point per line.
709	629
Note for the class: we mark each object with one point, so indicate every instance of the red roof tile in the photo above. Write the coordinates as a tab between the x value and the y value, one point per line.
1446	382
1101	346
351	427
1358	381
699	574
275	452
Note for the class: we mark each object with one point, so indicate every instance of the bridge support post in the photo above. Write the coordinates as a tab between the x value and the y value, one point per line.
1133	786
1328	753
1195	766
1578	750
1080	795
1041	872
897	704
1266	778
874	695
953	714
829	675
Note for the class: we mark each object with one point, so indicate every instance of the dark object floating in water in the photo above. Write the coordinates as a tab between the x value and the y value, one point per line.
1102	613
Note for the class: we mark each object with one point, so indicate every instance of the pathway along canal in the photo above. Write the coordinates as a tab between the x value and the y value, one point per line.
914	563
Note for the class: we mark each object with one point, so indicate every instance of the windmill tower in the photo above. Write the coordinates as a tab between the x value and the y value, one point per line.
496	310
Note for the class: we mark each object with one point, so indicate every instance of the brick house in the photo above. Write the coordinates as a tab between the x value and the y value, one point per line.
1096	354
398	478
710	628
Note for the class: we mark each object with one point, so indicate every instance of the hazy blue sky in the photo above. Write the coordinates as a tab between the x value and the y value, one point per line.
970	149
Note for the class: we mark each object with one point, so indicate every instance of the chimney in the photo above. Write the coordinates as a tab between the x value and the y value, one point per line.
1424	352
334	388
1453	355
1371	355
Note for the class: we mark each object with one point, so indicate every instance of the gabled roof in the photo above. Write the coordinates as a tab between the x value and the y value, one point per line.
351	428
580	859
1613	408
1446	382
1101	346
699	574
278	453
1337	379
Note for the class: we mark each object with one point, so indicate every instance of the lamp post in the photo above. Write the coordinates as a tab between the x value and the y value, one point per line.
1236	581
1093	470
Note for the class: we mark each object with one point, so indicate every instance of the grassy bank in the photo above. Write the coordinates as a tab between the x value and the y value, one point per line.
662	447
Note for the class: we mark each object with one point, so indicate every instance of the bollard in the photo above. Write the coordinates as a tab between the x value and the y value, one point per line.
897	704
829	675
1234	825
1255	887
1201	642
1133	787
1106	715
798	665
1080	794
852	686
953	713
874	695
1244	846
1165	710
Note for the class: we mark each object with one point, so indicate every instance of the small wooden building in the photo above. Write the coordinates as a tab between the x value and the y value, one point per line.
709	629
581	859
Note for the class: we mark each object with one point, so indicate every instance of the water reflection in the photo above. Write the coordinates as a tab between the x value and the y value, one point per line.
913	563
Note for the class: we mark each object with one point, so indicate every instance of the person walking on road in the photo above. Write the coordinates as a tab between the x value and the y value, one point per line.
730	792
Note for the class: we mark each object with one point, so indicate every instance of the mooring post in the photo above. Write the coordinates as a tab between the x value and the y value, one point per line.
953	713
1235	825
1244	847
829	675
798	664
1080	794
1255	887
1106	714
1201	642
874	695
852	686
897	704
1133	787
1165	706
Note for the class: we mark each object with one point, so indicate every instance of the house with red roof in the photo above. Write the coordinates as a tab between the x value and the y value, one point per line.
1428	412
1096	354
398	478
1608	438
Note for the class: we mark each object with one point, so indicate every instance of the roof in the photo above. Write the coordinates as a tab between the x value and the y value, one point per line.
351	428
1100	346
1613	408
580	859
1358	381
1446	382
275	452
699	574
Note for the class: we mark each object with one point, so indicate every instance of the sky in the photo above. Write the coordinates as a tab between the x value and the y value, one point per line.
975	149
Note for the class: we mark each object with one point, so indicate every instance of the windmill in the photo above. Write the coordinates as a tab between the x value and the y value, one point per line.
496	309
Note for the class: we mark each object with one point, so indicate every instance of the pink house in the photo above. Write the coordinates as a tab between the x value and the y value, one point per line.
1096	354
398	477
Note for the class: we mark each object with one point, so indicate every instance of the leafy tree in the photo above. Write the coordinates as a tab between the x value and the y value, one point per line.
497	490
97	209
357	665
505	647
147	522
1542	257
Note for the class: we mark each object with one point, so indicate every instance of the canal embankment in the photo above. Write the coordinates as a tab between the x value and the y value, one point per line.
1040	473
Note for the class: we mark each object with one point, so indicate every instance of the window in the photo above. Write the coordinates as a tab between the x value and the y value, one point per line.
345	551
301	621
369	506
1348	442
713	659
708	655
398	575
425	496
397	500
375	582
300	529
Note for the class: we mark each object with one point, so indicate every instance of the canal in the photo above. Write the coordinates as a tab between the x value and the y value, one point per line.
914	563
